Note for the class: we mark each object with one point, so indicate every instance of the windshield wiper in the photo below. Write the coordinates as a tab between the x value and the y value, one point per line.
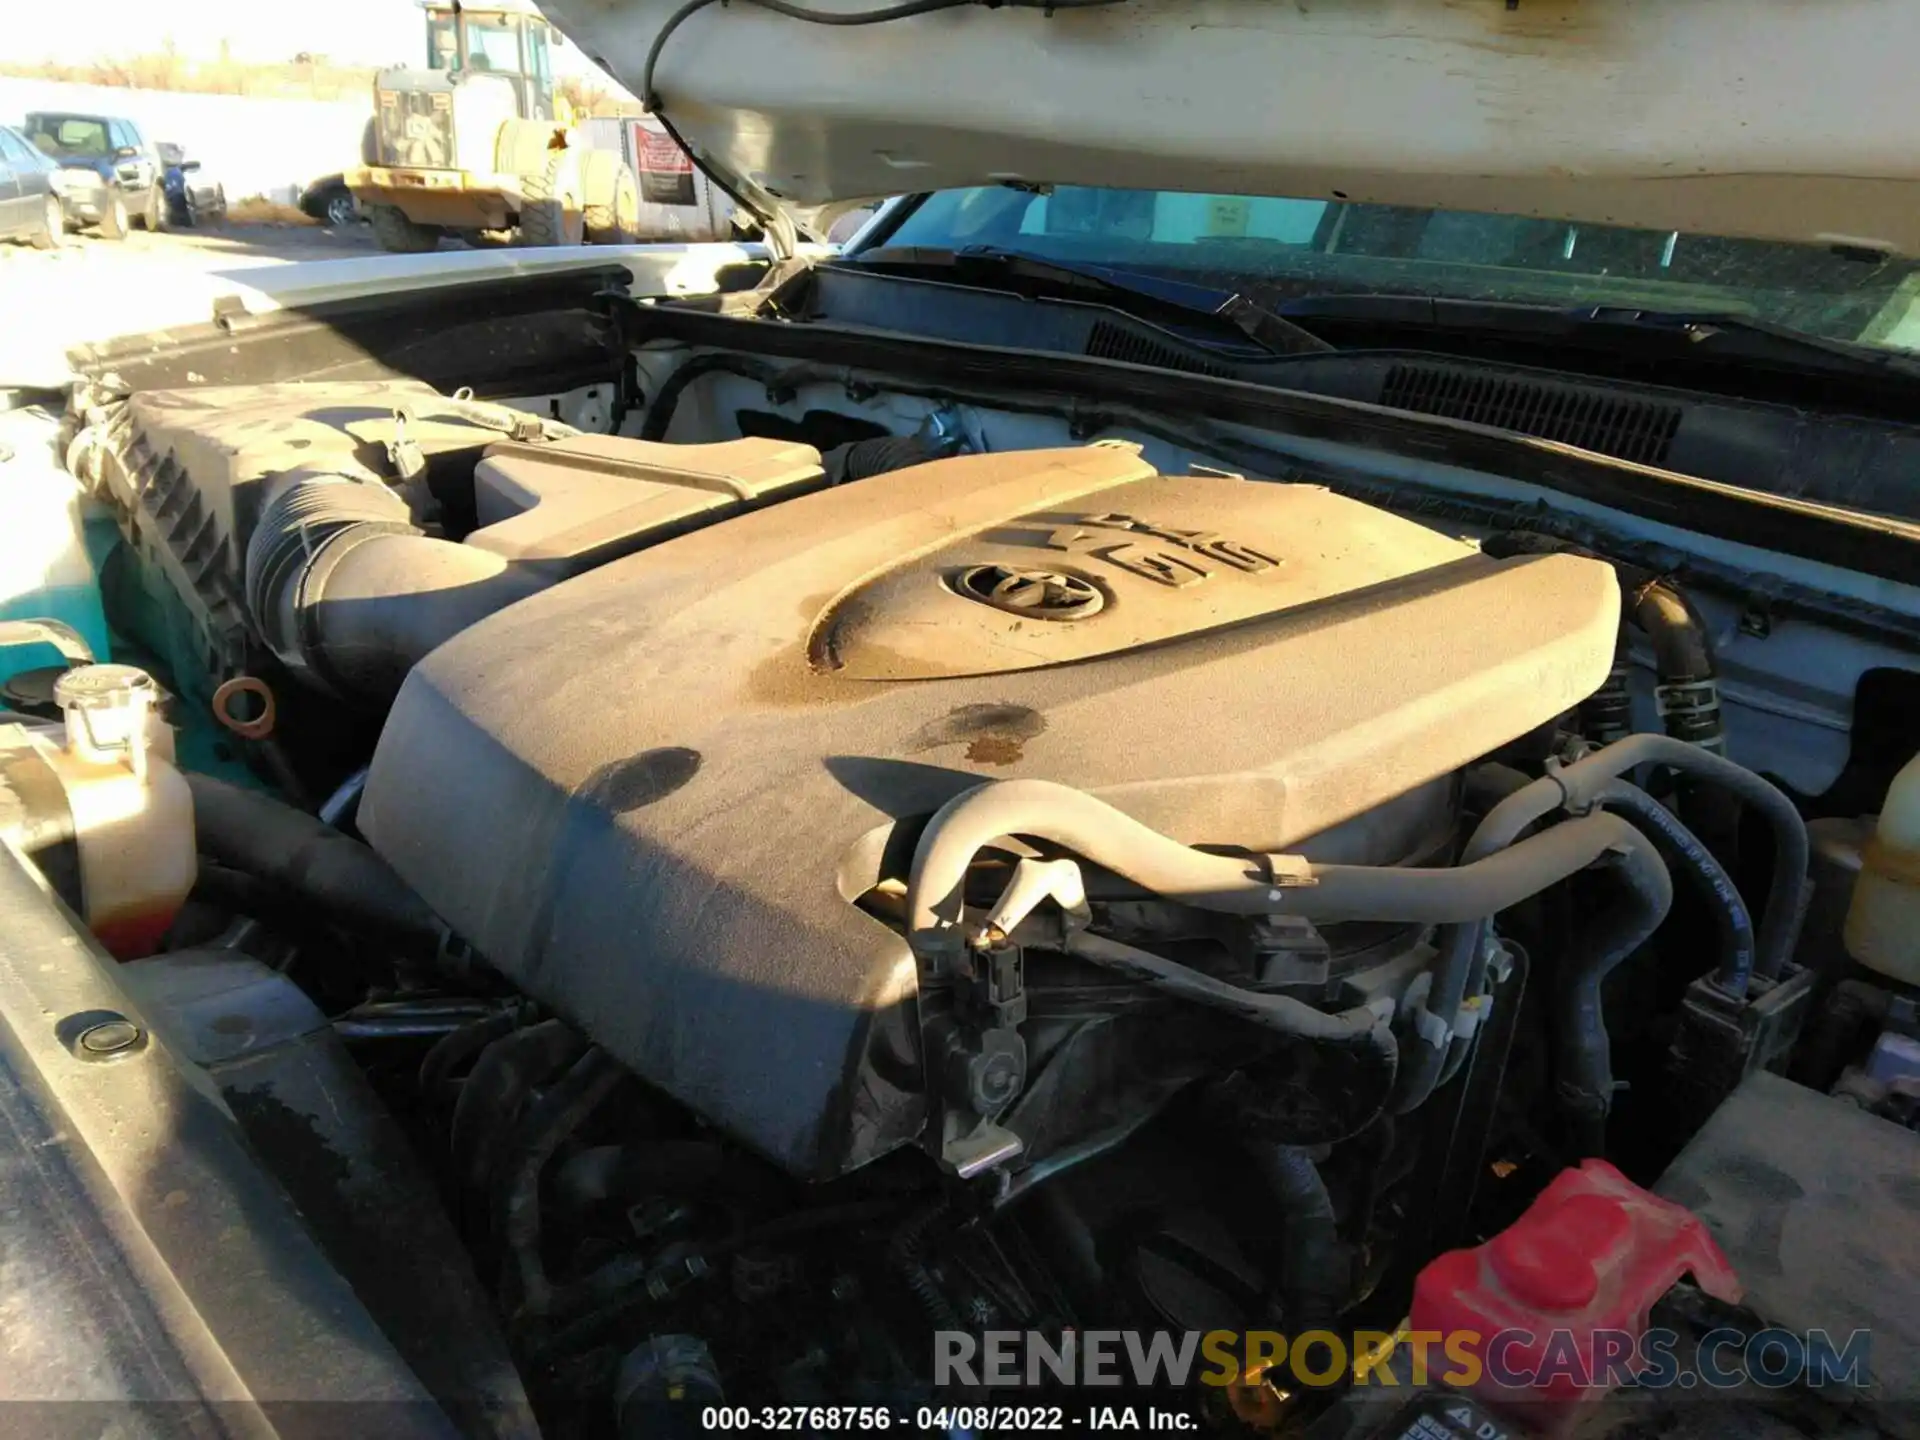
1655	334
1149	297
1746	337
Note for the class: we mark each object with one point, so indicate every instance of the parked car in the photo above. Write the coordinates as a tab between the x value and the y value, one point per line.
329	201
193	197
30	207
115	151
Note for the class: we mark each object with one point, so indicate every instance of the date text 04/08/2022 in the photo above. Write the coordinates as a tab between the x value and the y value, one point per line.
943	1419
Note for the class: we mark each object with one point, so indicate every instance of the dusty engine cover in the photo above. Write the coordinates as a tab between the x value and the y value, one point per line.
651	794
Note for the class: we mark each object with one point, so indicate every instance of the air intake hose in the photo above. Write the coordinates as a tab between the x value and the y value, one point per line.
349	593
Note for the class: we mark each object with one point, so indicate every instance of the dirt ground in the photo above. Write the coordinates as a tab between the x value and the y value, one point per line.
92	288
213	247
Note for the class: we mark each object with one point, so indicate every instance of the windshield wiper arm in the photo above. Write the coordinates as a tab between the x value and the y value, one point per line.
1704	335
1747	337
1245	310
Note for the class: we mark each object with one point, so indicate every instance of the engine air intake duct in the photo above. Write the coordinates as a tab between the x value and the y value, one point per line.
350	591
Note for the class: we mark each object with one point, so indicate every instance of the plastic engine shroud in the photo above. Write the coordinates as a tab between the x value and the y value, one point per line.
650	794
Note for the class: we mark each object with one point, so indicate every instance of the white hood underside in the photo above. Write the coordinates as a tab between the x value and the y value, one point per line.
1782	119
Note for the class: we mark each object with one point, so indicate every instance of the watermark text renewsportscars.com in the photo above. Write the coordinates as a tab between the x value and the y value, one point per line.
1657	1359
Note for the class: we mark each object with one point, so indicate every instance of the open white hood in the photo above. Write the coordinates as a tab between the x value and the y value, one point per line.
1782	119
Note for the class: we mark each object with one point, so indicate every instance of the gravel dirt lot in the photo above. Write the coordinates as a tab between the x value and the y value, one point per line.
92	288
213	247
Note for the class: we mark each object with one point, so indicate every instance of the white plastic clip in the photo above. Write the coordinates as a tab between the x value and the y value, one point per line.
1431	1029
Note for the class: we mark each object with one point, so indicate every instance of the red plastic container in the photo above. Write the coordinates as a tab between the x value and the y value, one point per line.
1555	1306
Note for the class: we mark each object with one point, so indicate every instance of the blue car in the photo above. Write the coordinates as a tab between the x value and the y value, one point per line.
113	173
192	197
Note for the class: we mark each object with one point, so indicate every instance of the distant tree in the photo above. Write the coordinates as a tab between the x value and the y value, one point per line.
163	71
167	69
589	97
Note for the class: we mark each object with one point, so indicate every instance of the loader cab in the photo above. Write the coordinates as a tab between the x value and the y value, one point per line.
511	41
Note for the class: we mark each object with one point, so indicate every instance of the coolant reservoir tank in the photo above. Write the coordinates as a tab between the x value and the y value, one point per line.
129	809
1883	924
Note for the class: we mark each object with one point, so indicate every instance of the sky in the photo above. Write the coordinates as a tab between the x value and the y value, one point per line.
373	32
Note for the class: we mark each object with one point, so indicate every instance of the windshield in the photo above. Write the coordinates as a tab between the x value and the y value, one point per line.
1293	248
69	136
492	43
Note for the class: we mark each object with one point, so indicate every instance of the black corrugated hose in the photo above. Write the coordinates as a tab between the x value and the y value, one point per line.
907	1251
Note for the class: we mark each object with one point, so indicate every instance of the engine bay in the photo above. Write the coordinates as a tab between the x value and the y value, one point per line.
794	865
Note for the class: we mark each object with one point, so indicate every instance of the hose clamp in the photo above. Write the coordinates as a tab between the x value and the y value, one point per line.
1568	802
1286	872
